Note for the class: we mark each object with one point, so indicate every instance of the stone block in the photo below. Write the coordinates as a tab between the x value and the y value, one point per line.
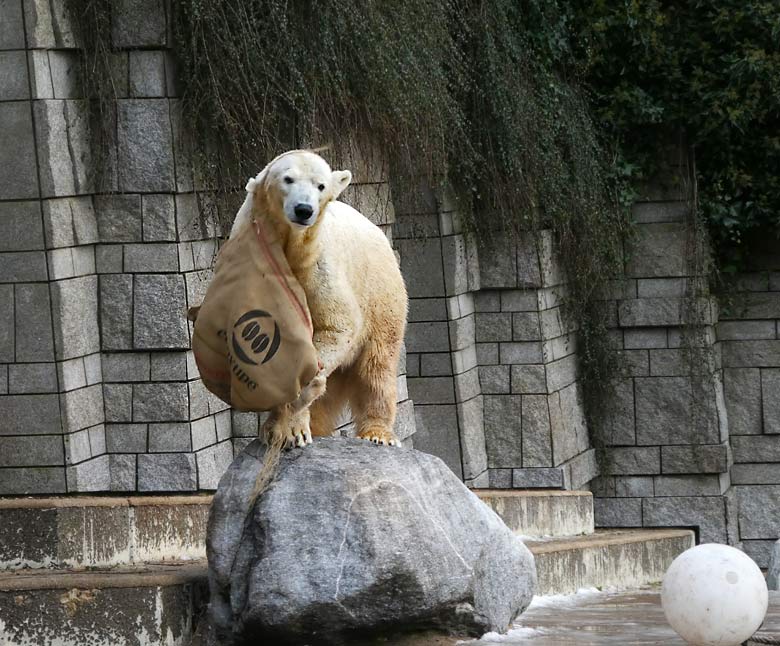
30	414
427	309
7	316
528	379
583	468
643	338
147	74
770	394
755	474
82	408
657	250
91	475
435	365
167	472
761	553
656	312
631	461
634	486
12	25
33	325
244	424
537	437
487	353
63	147
13	76
23	267
529	271
544	478
525	327
464	360
159	312
755	305
503	431
373	200
169	366
431	390
48	25
97	439
421	265
742	389
212	463
635	362
75	313
489	301
65	69
561	373
615	423
500	478
122	469
204	433
427	337
145	145
125	367
755	448
437	433
490	327
70	221
31	451
695	459
495	380
617	512
667	412
472	438
138	23
567	422
3	380
521	352
745	330
197	282
461	305
497	261
18	169
661	287
555	349
404	421
108	259
169	438
688	485
77	447
116	311
29	378
412	365
159	218
707	513
118	401
160	402
467	385
455	262
126	438
119	218
26	481
683	362
20	226
225	431
198	398
648	212
41	84
751	354
462	332
151	257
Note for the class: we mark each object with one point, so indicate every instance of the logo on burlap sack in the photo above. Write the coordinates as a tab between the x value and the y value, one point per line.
255	338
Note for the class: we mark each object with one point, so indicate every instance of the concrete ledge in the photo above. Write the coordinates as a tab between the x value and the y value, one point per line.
542	513
611	558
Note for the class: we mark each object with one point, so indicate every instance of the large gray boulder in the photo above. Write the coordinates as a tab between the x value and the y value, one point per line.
354	541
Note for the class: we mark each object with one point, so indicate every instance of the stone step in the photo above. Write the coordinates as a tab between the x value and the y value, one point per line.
105	531
625	558
154	605
542	513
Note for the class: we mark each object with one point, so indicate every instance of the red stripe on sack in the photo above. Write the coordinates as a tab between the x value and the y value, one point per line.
208	372
266	248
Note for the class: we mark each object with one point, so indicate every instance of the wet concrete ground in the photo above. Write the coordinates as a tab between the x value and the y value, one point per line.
604	619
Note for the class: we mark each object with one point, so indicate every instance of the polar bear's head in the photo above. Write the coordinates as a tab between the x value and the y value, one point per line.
297	186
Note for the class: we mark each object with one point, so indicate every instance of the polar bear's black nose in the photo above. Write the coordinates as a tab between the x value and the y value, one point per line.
303	211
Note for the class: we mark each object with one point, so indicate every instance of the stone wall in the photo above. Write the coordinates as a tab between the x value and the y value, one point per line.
98	390
749	333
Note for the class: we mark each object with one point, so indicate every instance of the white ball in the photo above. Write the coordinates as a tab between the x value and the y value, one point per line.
714	595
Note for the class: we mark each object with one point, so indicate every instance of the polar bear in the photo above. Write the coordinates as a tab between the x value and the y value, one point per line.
355	292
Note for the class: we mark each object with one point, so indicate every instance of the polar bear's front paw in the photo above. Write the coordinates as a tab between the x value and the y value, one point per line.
291	431
379	435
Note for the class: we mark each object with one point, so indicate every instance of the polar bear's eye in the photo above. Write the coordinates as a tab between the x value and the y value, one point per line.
321	187
288	180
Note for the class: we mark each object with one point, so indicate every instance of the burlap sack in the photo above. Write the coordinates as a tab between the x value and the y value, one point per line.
253	332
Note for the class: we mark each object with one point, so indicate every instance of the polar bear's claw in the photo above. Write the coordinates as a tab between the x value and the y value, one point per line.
380	437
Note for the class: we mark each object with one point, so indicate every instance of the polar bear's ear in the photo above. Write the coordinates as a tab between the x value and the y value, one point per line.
340	180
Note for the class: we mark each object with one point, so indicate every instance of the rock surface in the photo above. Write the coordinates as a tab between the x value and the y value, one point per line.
354	541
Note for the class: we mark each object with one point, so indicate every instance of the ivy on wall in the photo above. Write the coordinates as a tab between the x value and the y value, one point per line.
709	68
